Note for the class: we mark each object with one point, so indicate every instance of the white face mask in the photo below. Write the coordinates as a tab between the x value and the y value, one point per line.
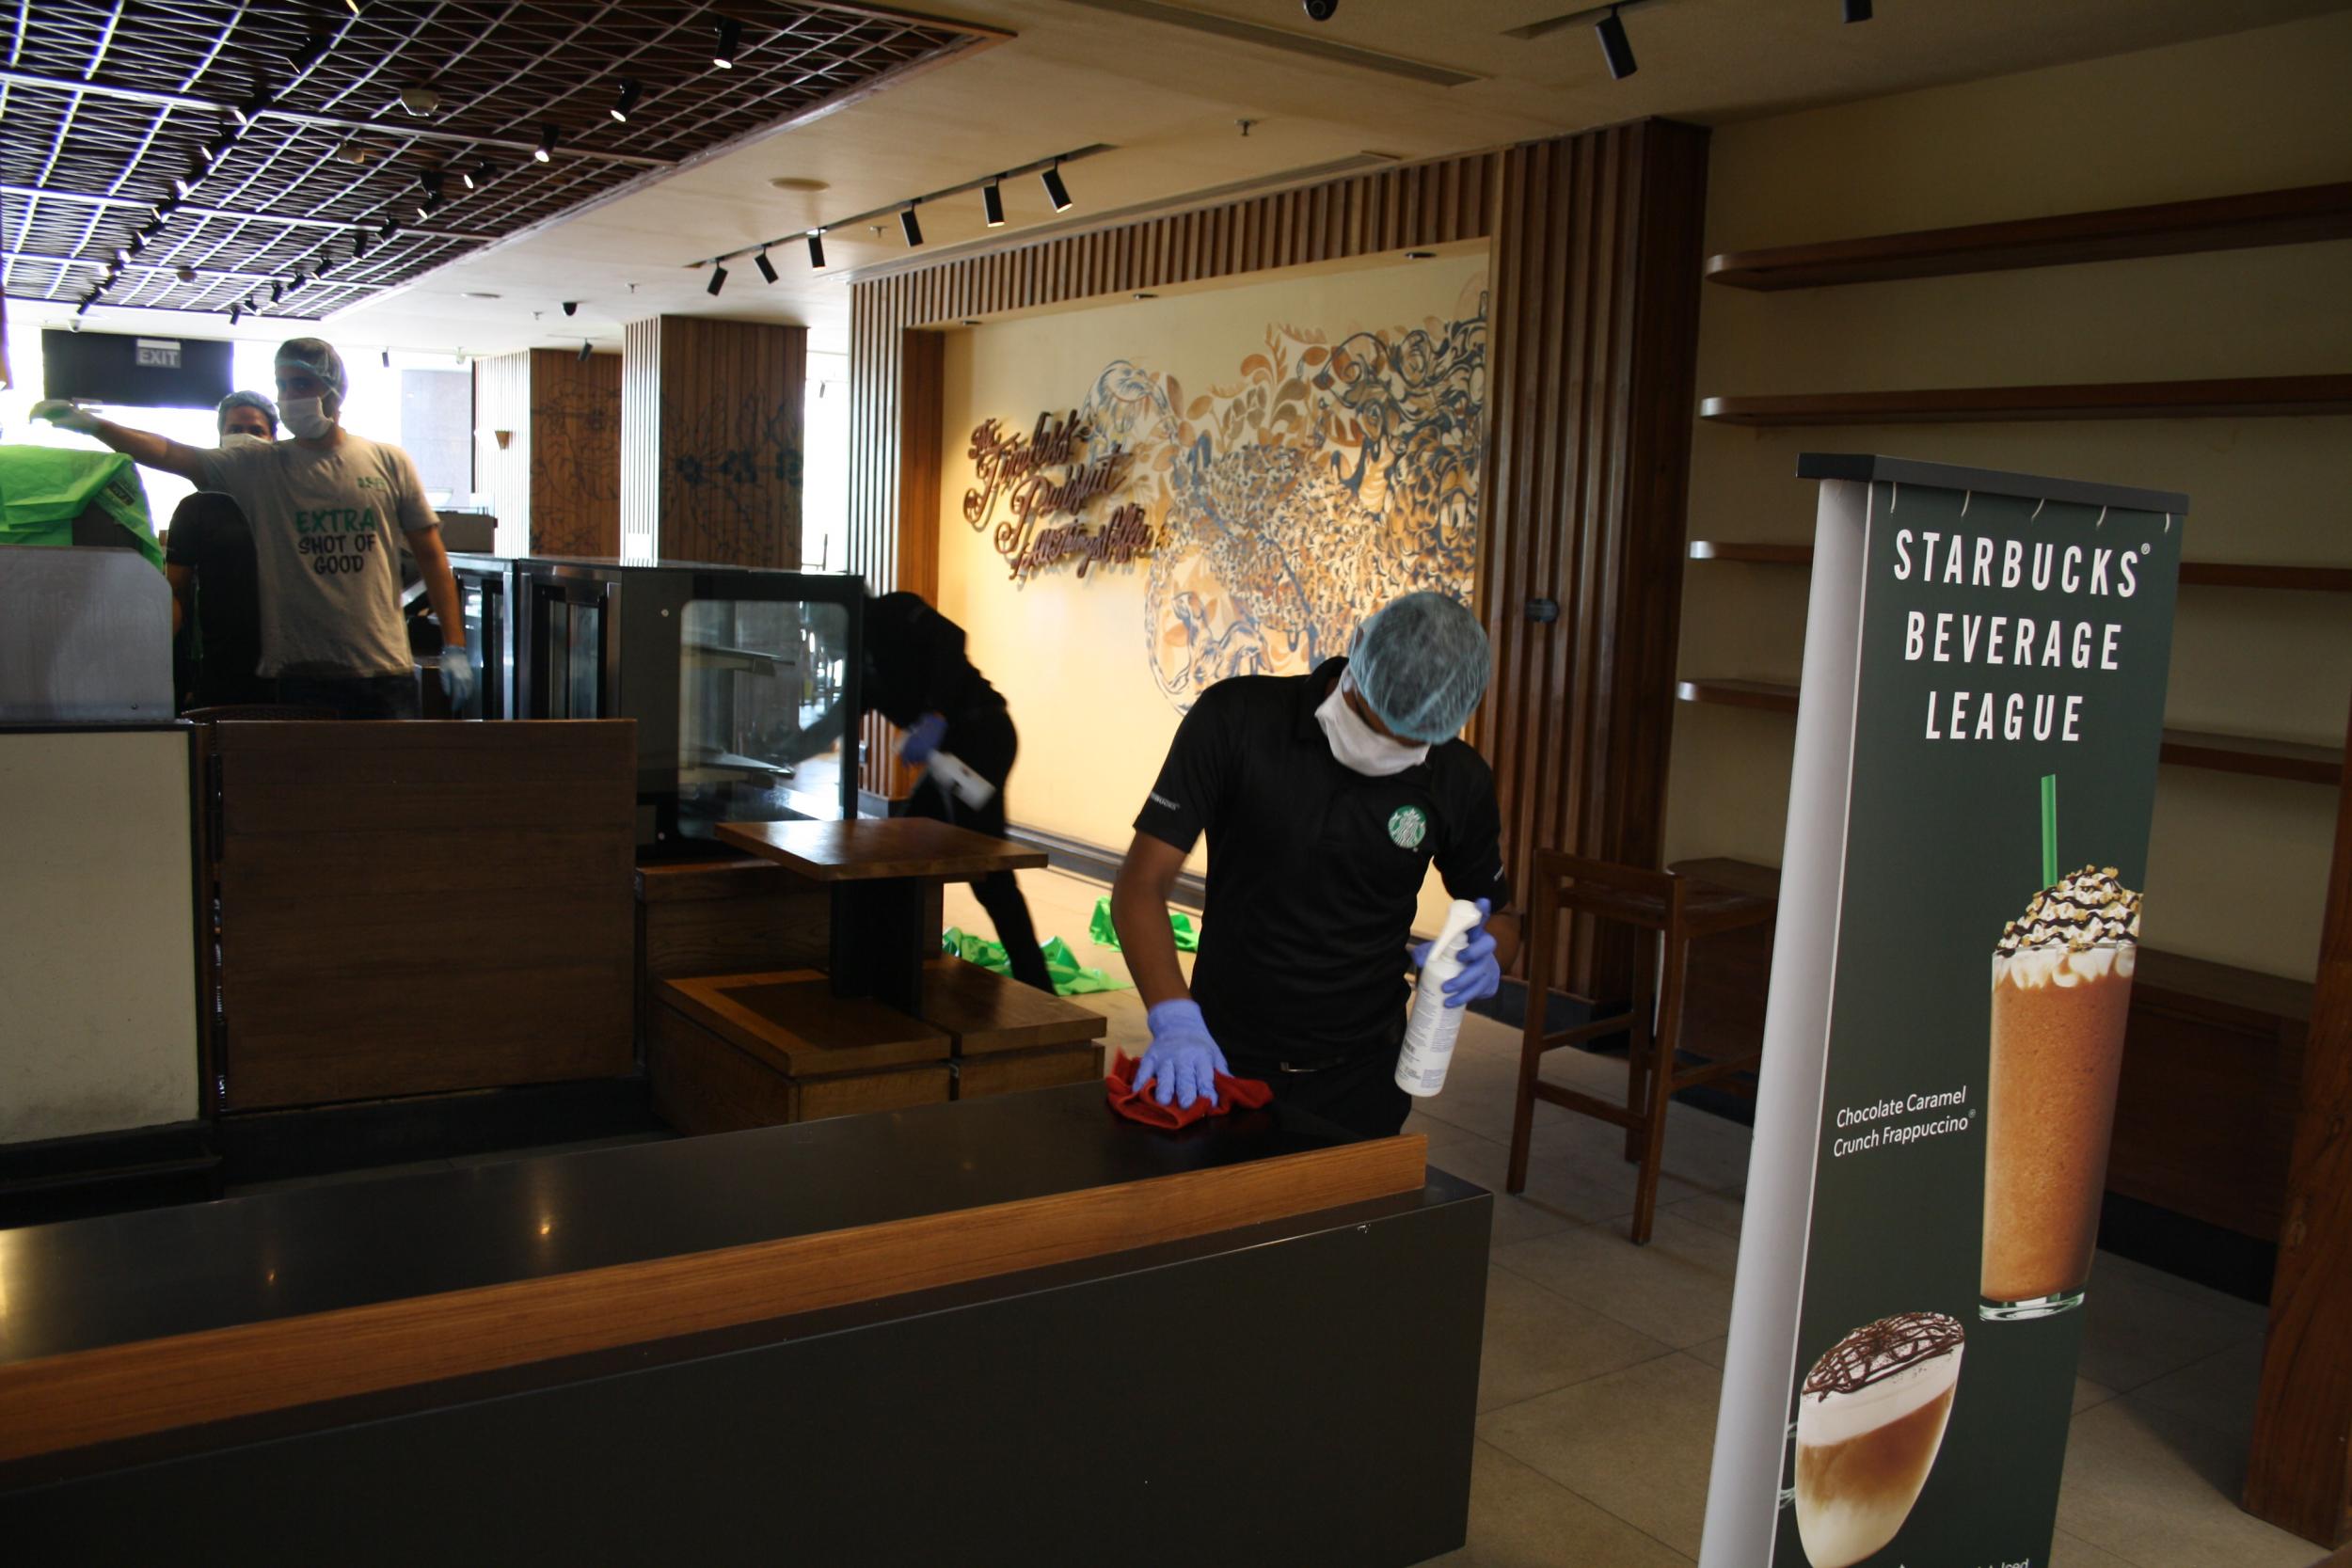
236	440
306	416
1356	745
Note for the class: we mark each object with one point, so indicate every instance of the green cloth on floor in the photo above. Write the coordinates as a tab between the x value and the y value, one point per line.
1106	935
1070	977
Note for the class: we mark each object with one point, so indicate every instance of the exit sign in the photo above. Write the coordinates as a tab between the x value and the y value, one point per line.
162	354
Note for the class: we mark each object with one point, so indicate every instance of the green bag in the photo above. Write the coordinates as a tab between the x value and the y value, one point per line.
1061	965
43	489
1106	935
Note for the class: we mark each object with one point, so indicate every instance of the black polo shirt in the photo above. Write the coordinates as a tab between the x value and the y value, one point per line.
1314	870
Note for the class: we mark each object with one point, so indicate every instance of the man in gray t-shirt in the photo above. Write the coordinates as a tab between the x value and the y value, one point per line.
323	509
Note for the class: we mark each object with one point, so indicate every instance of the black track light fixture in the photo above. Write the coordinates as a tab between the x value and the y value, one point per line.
1616	48
297	280
390	226
138	242
310	52
431	182
234	313
545	151
767	268
359	245
816	249
992	203
388	359
718	280
587	348
908	225
631	91
276	292
1857	11
730	40
1056	192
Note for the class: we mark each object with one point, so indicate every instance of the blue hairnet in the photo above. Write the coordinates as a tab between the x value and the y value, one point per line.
246	400
318	357
1421	664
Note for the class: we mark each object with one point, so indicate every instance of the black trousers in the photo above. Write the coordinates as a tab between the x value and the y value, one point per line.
987	743
1360	1096
361	697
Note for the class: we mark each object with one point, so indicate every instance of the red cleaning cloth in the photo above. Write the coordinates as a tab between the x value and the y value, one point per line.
1119	1083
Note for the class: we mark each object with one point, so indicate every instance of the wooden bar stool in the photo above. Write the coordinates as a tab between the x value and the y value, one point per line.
1681	911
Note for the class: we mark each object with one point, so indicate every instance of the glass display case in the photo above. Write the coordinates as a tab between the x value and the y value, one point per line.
742	681
483	588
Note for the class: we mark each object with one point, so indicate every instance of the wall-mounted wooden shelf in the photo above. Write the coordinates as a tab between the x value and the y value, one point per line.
2194	574
1771	696
2242	397
2168	228
2223	754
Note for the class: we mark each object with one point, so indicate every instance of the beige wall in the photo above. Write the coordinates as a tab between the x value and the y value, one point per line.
1071	655
2237	864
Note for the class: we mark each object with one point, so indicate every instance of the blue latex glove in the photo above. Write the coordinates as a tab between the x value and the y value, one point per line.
1480	974
1183	1059
923	740
65	415
457	675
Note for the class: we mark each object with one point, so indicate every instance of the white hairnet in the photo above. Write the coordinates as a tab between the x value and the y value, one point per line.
1421	664
318	357
244	400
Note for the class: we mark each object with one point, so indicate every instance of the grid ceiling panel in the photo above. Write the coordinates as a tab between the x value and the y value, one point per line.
87	170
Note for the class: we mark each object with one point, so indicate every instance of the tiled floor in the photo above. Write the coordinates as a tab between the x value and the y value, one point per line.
1597	1397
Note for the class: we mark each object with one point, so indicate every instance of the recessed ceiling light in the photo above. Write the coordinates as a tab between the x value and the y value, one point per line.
477	294
800	182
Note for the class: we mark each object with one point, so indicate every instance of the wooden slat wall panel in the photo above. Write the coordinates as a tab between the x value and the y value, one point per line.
1592	380
574	452
729	439
410	909
641	439
501	401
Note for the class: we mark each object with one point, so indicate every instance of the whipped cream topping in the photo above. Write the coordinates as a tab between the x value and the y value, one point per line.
2088	909
1879	1373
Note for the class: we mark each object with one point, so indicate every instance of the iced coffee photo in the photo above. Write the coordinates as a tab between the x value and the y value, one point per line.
1871	1420
2061	986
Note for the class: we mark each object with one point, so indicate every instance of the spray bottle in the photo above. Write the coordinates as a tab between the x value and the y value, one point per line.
957	779
1431	1027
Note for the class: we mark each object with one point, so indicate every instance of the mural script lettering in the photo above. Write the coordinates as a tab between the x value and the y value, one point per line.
1046	474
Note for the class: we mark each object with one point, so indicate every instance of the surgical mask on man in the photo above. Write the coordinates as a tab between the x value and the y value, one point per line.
1355	745
306	415
239	440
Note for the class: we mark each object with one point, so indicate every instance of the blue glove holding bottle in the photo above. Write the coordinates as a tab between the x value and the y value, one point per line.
1183	1062
922	740
1480	974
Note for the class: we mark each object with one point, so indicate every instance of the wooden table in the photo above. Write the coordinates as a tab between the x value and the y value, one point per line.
879	869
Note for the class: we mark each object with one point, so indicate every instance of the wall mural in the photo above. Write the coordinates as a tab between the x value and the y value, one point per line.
1327	480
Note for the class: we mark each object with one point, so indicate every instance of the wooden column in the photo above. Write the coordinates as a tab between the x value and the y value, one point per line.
556	481
711	440
2299	1475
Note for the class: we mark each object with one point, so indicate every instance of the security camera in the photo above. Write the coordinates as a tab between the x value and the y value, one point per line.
1319	10
571	308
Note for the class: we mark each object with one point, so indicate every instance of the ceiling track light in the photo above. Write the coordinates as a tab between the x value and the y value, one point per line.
482	172
631	91
1857	11
587	348
1056	192
312	51
718	280
138	242
1616	48
276	292
992	203
390	226
546	150
730	40
909	226
817	248
235	311
767	268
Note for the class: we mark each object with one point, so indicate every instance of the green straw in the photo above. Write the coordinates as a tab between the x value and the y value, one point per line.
2049	830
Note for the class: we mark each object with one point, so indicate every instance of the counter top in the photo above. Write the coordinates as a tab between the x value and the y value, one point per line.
86	1284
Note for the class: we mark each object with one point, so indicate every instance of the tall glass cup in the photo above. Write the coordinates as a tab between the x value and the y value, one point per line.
2061	991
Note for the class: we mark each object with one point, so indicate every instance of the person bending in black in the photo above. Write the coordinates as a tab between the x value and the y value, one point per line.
216	590
915	674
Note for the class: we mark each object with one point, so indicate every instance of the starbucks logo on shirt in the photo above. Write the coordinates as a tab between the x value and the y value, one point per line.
1407	827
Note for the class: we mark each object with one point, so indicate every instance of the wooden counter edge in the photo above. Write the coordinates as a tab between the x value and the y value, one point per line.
122	1391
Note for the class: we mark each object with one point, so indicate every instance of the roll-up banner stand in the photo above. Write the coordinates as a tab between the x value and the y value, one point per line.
1976	764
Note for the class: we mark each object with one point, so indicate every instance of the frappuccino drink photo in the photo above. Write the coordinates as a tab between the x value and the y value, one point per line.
2061	991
